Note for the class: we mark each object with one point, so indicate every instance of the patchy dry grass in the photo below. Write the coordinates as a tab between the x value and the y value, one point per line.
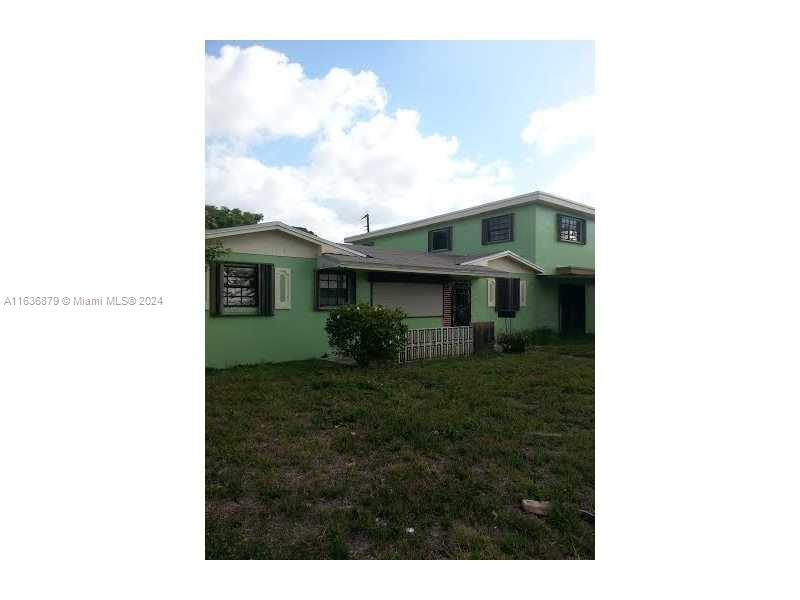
316	460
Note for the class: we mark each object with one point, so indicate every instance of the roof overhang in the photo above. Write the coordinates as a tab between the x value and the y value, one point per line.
571	274
328	261
484	260
283	228
532	197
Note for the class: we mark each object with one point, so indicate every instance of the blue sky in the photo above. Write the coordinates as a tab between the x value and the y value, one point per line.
338	144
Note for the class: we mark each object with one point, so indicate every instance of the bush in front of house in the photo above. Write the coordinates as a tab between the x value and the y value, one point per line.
512	342
541	336
367	333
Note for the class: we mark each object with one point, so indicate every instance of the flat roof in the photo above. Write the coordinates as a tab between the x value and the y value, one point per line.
532	198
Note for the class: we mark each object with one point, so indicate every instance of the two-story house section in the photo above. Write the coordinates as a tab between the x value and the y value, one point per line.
555	234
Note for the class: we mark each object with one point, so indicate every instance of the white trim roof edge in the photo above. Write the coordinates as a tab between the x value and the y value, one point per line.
481	271
504	254
540	197
283	227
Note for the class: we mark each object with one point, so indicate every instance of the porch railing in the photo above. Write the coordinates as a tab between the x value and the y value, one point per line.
437	342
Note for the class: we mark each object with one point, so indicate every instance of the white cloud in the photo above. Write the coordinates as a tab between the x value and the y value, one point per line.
255	93
552	129
383	165
576	181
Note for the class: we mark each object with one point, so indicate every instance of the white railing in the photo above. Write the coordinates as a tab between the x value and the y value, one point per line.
438	342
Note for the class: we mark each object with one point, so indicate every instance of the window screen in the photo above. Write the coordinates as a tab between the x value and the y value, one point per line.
440	239
571	229
498	229
335	288
240	285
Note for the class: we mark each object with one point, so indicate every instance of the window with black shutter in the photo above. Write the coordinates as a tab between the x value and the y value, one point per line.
335	288
242	289
507	297
571	229
497	229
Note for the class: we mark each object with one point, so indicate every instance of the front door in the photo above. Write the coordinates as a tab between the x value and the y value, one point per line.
462	312
572	310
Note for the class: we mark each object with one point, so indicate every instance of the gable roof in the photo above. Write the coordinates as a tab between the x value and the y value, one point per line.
484	260
415	261
283	228
532	197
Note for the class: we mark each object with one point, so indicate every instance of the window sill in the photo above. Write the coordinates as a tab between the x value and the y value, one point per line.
571	242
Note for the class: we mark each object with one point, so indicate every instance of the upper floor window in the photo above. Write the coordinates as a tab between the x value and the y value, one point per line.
440	239
571	229
498	229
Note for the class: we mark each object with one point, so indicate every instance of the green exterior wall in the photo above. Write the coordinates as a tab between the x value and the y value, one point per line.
549	252
535	238
467	235
297	333
293	334
481	311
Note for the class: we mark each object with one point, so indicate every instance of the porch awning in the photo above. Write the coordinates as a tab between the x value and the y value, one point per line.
571	273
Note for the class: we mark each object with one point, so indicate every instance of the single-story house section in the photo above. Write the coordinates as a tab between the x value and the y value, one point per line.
270	286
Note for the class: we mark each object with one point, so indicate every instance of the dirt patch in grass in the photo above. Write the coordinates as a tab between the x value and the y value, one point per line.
317	460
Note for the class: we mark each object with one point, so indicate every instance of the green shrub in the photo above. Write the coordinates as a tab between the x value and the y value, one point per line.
366	333
541	336
512	342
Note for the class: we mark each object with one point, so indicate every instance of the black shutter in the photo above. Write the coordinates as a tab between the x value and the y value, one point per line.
351	286
501	294
217	283
484	231
514	294
266	284
511	226
430	240
316	289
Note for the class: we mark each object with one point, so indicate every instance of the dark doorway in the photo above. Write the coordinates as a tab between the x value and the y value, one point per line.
462	311
572	310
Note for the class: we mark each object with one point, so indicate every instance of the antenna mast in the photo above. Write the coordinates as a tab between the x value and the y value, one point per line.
366	216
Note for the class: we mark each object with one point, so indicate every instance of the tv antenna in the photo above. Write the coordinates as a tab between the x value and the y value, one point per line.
366	216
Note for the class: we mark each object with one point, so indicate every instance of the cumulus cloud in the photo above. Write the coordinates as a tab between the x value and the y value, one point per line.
552	129
362	158
576	180
255	94
383	165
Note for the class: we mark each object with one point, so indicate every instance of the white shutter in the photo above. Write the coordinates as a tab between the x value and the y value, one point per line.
523	293
490	286
283	288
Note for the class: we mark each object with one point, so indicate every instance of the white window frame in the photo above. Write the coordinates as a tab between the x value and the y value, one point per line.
523	293
491	287
287	303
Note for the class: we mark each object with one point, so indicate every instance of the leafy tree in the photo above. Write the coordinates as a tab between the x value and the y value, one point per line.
222	216
367	333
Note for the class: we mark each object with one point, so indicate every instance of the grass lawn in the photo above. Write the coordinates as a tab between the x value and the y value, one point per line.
317	460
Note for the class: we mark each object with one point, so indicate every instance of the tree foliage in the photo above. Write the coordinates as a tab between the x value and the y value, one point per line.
367	333
222	216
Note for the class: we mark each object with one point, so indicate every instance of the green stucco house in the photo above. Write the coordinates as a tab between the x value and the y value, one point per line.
518	263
